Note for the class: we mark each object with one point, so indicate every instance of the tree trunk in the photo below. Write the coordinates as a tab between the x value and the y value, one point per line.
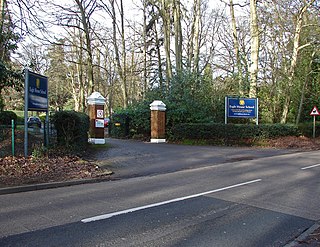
120	68
159	58
166	32
294	58
178	35
86	28
254	31
236	49
196	37
144	35
2	13
304	89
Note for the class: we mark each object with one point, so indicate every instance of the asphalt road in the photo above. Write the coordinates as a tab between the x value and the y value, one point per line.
265	201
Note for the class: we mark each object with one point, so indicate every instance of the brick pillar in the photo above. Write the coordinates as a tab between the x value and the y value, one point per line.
158	121
96	115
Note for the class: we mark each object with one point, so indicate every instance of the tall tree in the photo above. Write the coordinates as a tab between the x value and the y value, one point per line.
236	48
194	38
86	9
9	77
296	48
166	19
178	34
254	30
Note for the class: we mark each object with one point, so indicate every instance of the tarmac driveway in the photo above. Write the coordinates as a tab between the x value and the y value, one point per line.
130	158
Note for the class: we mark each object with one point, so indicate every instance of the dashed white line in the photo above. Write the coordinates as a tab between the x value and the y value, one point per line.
309	167
106	216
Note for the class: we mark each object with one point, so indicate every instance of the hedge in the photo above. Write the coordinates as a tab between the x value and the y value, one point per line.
6	117
119	125
307	129
231	131
72	129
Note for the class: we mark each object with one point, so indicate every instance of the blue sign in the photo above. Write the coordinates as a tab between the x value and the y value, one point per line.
242	107
37	92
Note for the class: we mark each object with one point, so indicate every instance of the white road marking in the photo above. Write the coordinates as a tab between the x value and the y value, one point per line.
106	216
309	167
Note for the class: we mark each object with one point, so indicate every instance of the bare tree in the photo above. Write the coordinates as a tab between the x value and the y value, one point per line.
296	48
254	30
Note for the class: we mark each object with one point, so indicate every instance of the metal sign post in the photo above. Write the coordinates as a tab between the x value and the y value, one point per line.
315	112
26	96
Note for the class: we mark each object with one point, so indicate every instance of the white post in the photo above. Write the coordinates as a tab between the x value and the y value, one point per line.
257	113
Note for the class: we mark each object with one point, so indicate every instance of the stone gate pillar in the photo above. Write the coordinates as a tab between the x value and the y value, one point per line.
158	121
96	114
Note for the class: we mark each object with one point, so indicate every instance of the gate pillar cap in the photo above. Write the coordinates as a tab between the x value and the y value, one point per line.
96	99
157	105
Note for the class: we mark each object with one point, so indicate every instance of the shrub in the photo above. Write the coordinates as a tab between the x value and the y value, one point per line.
6	117
307	129
119	125
72	129
132	122
231	132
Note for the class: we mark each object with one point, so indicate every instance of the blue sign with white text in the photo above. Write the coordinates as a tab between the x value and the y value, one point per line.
37	92
242	107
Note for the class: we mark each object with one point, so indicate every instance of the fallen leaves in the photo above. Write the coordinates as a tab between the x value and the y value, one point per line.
21	170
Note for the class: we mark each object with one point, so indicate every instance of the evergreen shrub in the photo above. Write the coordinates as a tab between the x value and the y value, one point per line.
119	125
307	129
72	129
231	131
6	117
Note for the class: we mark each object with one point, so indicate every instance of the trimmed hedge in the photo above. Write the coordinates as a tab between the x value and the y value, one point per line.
72	129
231	131
119	125
6	117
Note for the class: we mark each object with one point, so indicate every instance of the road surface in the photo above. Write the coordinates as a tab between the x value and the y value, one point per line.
266	201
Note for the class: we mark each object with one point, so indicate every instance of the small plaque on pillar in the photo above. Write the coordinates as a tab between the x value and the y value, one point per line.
99	113
99	123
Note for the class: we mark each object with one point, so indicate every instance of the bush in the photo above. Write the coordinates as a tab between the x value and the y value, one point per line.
119	125
72	129
6	117
307	129
131	122
231	132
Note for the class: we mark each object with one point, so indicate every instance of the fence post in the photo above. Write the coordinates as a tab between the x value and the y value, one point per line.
12	136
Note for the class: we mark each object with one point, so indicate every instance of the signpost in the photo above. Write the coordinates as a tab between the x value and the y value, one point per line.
315	112
35	99
241	108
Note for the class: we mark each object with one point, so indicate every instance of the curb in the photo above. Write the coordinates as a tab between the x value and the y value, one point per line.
303	236
44	186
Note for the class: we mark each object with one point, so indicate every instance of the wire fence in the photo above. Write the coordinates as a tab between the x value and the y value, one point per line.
12	139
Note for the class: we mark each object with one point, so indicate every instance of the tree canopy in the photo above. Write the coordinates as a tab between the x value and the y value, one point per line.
192	52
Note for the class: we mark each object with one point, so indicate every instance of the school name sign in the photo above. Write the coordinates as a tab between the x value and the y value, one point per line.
36	91
241	108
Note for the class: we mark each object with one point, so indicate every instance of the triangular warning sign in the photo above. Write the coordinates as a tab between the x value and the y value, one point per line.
315	112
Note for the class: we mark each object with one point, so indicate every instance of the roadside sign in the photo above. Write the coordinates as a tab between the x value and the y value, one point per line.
242	107
35	99
315	112
37	86
236	107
